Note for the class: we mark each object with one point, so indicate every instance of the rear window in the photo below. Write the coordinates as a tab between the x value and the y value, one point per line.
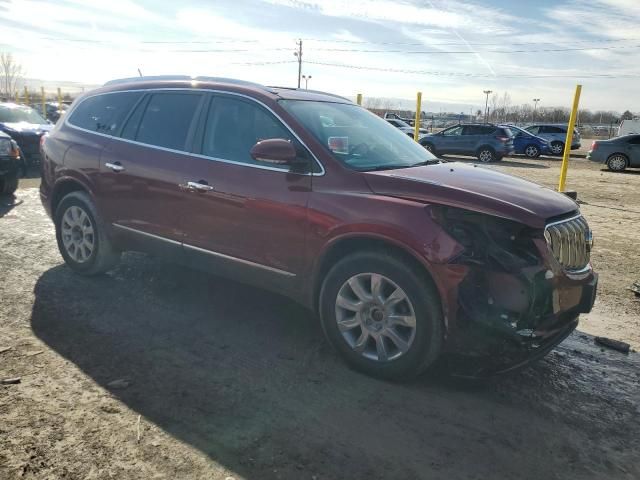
104	113
504	131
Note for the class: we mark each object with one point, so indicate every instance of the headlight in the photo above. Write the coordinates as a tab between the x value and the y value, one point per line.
6	146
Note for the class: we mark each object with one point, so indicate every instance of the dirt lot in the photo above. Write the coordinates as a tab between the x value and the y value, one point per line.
214	380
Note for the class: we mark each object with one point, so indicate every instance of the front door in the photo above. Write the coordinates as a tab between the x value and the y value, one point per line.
244	218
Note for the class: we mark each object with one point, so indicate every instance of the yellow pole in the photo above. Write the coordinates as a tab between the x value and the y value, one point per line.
569	139
59	100
26	96
359	99
416	127
44	103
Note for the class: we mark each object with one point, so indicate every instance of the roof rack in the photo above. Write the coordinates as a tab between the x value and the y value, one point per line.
156	78
320	92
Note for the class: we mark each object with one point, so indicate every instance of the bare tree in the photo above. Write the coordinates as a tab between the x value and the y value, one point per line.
10	73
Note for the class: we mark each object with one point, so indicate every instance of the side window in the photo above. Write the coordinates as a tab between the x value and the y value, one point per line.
471	130
534	130
452	131
130	129
635	140
104	113
167	119
234	126
551	129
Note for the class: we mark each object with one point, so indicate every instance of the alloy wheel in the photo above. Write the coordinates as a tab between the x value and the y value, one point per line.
77	234
375	317
617	163
557	148
531	151
485	156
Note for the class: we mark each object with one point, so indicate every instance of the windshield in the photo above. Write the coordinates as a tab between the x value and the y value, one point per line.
20	114
356	137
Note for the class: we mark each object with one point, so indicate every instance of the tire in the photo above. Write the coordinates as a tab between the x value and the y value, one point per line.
531	151
421	338
430	148
617	162
92	253
557	148
9	184
486	154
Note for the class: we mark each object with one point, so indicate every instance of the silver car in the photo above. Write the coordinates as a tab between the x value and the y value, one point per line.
556	134
618	153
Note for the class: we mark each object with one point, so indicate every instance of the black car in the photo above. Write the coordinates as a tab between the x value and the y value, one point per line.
25	125
9	164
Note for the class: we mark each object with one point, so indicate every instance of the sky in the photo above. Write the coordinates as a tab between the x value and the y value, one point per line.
450	50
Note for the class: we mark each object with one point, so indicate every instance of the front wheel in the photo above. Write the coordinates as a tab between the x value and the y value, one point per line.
81	236
557	148
532	151
381	315
9	184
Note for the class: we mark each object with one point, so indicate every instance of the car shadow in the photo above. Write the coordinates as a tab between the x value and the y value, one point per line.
624	172
507	162
245	377
8	203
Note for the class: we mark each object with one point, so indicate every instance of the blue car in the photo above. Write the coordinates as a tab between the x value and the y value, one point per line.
525	143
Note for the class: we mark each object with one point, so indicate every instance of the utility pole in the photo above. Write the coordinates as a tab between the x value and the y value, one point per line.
535	107
486	104
299	55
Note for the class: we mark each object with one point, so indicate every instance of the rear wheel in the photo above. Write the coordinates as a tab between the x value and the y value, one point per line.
557	148
81	236
486	155
532	151
617	162
8	184
381	315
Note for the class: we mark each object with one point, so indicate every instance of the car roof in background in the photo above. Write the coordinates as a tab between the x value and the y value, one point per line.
221	83
14	105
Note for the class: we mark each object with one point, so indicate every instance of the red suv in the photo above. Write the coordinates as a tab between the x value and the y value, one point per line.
403	257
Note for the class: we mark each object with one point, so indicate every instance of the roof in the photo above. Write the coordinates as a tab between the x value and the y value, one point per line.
181	81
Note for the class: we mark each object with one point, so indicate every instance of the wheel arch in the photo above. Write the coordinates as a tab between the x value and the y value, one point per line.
347	244
63	187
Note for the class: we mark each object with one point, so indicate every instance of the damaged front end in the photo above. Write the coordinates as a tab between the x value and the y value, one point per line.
519	289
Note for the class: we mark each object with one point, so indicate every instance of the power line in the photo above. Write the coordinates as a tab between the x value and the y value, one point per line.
439	52
470	75
422	44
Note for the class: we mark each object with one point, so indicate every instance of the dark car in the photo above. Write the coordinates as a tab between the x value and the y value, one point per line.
485	141
556	135
307	194
525	143
25	125
618	153
9	164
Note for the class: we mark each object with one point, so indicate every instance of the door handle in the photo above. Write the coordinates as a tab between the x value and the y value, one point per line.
200	186
116	167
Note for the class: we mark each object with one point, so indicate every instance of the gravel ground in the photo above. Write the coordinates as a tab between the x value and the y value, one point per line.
157	371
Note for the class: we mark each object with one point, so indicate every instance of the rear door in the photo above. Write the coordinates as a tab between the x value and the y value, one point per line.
634	151
250	220
141	170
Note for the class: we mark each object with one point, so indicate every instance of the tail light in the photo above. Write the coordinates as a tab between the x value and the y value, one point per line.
43	139
15	151
594	145
503	139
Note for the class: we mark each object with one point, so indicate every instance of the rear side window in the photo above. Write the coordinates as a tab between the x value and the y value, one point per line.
234	126
478	130
167	120
506	132
635	140
552	129
104	113
533	130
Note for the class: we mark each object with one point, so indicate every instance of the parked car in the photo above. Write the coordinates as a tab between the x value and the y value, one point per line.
53	110
486	141
9	164
405	127
618	153
525	143
556	135
25	126
403	258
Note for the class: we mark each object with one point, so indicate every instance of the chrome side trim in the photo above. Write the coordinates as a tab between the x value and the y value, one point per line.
239	260
208	252
146	234
70	125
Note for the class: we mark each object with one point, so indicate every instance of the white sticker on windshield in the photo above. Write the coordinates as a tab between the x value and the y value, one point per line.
339	144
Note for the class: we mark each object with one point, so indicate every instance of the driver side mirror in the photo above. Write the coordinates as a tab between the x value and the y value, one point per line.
275	151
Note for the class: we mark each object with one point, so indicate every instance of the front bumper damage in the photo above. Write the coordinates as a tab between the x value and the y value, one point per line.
509	301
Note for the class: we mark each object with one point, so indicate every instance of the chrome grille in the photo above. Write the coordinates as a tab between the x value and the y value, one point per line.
570	242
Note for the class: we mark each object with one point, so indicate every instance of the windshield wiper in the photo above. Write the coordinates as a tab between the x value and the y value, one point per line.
434	161
385	167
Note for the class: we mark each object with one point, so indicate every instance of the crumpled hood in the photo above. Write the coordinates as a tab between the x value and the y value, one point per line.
473	188
26	127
